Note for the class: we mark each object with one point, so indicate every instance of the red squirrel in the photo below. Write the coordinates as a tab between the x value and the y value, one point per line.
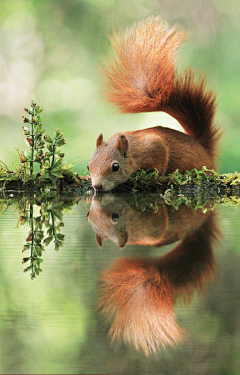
137	295
143	79
113	218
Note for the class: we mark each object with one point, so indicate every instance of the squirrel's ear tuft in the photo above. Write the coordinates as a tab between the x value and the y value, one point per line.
122	144
122	240
99	140
99	240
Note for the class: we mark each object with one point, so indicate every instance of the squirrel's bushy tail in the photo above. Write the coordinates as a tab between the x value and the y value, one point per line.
143	79
138	295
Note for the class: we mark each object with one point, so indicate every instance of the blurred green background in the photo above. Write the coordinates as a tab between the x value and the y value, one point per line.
50	52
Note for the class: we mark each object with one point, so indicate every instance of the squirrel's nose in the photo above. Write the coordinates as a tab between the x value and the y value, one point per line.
97	187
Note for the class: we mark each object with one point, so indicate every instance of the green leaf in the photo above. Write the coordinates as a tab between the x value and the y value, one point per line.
60	236
50	231
39	144
29	111
26	130
38	109
39	249
48	240
56	248
26	247
27	269
60	142
48	138
57	163
50	147
56	133
38	129
57	214
56	172
28	155
25	119
25	260
40	118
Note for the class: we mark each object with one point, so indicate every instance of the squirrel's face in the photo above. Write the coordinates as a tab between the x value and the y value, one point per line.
110	164
107	216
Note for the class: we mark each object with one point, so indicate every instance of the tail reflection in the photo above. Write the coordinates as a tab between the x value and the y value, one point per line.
137	295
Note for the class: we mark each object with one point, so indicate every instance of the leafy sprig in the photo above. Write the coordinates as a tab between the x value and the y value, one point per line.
33	243
34	132
41	164
49	221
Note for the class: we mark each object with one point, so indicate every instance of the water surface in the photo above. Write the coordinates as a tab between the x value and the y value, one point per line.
113	255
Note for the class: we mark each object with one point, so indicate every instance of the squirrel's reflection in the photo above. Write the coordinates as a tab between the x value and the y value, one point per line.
138	295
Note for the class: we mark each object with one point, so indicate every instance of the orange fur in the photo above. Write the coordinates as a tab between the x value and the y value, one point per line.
139	301
143	76
138	295
144	80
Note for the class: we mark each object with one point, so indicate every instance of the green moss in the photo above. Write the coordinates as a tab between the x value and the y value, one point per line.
143	180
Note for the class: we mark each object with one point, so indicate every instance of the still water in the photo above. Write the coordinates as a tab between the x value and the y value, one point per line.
111	288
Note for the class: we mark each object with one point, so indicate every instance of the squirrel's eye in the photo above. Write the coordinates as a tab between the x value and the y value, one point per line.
115	217
115	167
87	167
